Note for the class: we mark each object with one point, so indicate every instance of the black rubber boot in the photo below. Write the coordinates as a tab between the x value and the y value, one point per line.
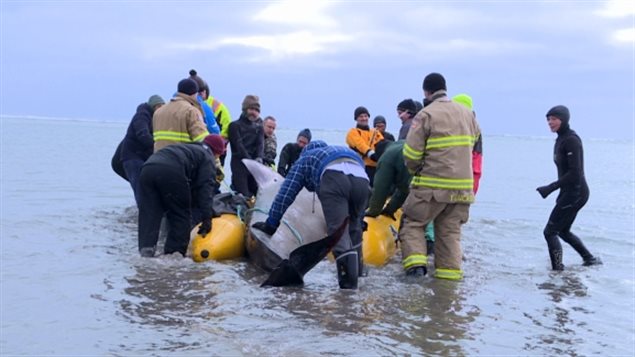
361	269
347	271
147	252
430	247
420	271
556	259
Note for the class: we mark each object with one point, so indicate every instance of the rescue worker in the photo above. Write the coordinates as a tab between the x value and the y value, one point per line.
208	114
442	136
379	123
247	142
337	175
180	120
363	139
173	181
574	192
271	142
138	144
291	151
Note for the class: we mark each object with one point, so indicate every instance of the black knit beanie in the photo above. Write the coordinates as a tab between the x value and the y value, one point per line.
187	86
379	119
306	133
561	112
434	82
359	111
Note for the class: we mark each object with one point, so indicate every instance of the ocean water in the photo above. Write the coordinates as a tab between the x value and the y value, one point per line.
72	283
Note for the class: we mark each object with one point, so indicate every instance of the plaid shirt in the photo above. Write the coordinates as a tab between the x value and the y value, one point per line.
307	172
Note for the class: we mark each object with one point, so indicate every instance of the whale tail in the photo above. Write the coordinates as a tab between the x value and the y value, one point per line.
291	271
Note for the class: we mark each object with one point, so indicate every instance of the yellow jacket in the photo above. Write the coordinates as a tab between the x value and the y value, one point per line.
223	118
363	141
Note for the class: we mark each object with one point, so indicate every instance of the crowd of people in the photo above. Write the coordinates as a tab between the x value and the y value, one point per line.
173	155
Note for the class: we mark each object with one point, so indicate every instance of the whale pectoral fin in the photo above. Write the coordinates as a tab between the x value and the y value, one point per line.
291	271
283	275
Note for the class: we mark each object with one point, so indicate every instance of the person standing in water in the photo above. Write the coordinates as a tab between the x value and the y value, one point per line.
574	191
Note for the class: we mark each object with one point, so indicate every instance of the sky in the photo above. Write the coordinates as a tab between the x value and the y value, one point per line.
313	62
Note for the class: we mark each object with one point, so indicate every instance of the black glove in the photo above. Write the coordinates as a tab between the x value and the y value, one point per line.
544	191
389	215
263	226
206	227
364	226
374	157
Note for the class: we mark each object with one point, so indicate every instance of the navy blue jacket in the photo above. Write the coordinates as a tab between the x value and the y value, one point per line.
139	143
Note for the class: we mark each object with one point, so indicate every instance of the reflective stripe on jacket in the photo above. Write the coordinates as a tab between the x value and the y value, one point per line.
223	118
438	150
179	121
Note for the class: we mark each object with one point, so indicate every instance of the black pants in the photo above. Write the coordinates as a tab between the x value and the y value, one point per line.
164	189
344	196
568	204
242	181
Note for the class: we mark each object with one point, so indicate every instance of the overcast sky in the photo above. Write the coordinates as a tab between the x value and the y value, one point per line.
313	62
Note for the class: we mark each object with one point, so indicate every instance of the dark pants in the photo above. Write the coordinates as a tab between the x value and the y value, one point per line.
562	216
132	169
242	181
370	171
164	189
344	196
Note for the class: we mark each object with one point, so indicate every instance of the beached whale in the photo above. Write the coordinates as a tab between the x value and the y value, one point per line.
302	225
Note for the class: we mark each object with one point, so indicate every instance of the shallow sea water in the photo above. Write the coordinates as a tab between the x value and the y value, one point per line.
72	282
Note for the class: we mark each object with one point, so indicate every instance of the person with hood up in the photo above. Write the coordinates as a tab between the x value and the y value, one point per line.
291	152
246	138
574	192
173	181
362	139
477	151
337	175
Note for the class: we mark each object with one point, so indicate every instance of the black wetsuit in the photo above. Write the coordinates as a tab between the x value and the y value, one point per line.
173	181
574	194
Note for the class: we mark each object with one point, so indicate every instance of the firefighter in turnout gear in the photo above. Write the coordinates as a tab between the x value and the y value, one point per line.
438	152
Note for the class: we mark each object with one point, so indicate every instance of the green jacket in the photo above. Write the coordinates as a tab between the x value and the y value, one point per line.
391	173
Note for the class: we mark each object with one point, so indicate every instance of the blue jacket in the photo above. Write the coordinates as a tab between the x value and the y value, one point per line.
210	118
307	172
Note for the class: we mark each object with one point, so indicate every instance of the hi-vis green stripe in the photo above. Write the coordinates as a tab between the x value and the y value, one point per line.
411	153
450	141
443	183
176	136
450	274
415	260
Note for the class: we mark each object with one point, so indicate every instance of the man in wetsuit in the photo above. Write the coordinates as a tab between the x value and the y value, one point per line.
574	192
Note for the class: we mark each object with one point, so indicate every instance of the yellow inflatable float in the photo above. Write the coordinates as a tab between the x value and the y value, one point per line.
225	241
378	241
